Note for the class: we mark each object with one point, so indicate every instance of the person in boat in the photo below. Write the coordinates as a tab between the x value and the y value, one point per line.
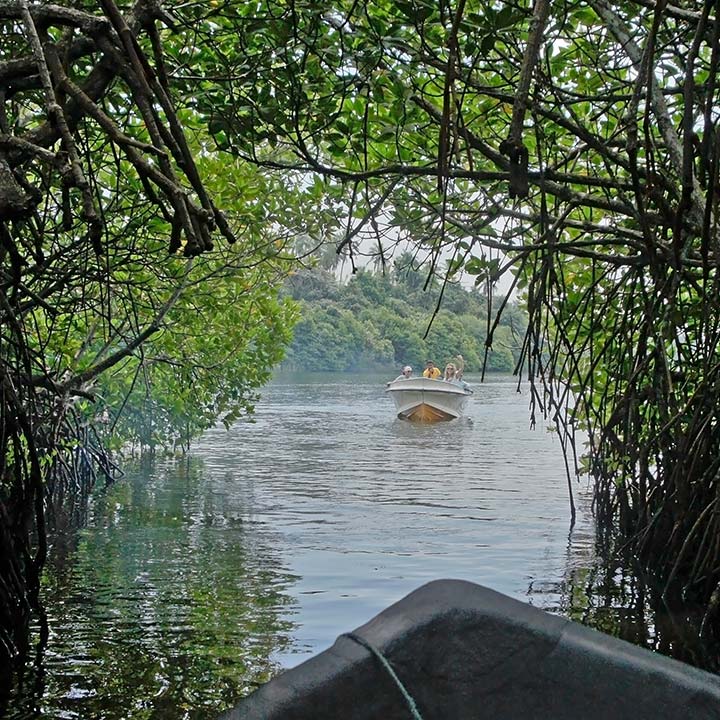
459	367
449	375
405	374
452	376
431	371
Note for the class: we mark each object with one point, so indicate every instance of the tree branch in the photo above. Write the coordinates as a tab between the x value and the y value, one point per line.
513	146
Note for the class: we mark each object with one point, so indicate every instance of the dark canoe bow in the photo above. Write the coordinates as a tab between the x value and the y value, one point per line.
459	651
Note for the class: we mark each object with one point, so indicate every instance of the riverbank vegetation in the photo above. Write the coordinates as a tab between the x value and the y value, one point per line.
155	164
387	320
121	320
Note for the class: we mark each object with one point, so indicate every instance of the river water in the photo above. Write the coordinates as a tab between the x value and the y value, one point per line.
196	579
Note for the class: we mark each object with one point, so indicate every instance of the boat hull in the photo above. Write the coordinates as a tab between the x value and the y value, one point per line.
462	651
425	400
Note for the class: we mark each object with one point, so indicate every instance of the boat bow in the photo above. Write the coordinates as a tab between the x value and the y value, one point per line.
426	400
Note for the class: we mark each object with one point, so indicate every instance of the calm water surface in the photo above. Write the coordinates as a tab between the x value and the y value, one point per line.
369	507
195	580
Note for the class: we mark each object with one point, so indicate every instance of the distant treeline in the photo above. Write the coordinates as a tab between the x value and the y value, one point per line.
378	320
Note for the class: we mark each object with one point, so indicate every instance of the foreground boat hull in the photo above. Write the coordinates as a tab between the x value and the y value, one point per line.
425	400
462	651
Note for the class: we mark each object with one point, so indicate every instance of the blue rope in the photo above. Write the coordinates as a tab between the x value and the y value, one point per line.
384	662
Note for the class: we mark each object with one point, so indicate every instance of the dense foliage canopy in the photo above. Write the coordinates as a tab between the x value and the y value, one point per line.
377	321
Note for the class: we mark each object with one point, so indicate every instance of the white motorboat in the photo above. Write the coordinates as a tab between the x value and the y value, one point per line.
425	400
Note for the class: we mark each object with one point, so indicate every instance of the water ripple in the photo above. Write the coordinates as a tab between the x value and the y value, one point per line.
197	579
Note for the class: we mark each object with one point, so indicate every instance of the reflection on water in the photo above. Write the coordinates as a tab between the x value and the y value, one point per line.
370	507
195	580
166	606
609	593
